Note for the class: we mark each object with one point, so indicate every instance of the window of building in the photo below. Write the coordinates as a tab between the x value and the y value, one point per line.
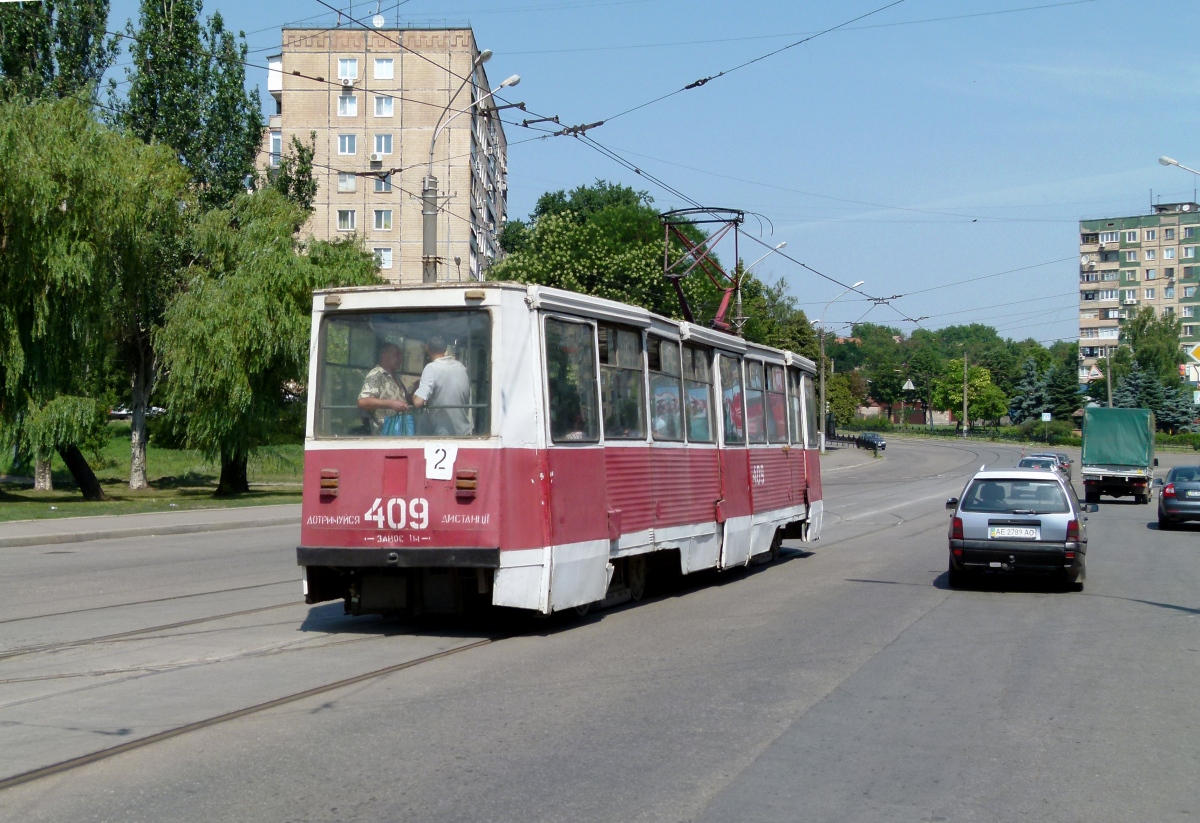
1108	257
1189	331
1151	234
621	384
1189	252
1149	294
385	68
1151	274
347	68
347	144
1189	291
1168	273
1189	231
1131	237
1088	239
1189	311
276	147
347	105
1111	274
1089	315
1130	256
1111	314
1169	292
383	183
1168	234
383	258
1087	295
346	220
1131	275
1106	294
1089	333
383	144
347	181
1151	254
1108	236
1110	332
666	389
383	106
383	219
1168	311
1088	277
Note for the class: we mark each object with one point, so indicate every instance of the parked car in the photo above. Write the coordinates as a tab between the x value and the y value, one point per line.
871	440
1018	521
1064	461
1178	496
1038	462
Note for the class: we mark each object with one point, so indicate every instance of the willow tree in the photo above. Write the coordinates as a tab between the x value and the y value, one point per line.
82	213
235	344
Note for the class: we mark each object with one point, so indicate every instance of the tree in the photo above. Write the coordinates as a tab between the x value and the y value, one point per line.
55	48
840	398
187	89
238	338
1062	389
1154	342
604	240
985	400
1030	399
772	318
1139	389
82	212
294	177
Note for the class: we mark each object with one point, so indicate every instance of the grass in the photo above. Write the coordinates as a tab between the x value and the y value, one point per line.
179	479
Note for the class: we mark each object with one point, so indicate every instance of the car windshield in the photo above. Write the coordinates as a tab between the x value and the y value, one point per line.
1036	463
1015	495
404	374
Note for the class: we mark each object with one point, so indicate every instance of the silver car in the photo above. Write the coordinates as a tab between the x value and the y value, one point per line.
1018	521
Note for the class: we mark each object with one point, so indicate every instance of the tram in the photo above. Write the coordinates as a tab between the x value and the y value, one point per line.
554	450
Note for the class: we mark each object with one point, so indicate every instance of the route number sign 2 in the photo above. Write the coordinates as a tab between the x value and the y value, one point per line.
439	461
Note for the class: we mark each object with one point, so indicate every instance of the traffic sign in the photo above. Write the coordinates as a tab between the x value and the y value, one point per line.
1194	352
1045	417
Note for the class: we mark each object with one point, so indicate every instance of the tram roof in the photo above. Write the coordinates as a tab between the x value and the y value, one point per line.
549	298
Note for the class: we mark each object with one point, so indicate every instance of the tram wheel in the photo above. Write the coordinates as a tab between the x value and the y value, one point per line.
635	576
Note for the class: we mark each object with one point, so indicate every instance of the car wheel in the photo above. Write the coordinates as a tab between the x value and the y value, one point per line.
1090	496
1164	524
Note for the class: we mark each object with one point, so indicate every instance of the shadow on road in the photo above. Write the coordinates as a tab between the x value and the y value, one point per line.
994	582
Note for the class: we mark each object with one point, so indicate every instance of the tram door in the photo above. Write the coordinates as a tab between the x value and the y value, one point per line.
735	466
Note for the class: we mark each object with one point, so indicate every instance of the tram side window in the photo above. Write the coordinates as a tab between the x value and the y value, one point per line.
666	389
621	384
571	375
731	400
756	417
777	430
371	368
810	410
795	406
697	391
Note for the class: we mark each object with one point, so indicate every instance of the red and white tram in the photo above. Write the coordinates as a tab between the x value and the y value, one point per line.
597	436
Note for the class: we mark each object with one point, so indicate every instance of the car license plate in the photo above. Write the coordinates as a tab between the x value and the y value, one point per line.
1013	532
1193	492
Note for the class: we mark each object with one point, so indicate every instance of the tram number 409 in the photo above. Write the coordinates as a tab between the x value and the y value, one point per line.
399	513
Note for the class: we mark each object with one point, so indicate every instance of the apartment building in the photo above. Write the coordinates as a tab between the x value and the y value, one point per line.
373	98
1126	263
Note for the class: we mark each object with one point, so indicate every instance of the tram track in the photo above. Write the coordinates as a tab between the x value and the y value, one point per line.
292	581
216	720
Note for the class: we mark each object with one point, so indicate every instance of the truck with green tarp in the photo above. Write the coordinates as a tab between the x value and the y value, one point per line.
1118	453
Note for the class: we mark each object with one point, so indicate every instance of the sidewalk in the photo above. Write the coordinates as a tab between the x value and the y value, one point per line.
107	527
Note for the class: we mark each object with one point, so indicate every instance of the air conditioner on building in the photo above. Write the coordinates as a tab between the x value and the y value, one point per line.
1103	246
376	157
348	82
1130	301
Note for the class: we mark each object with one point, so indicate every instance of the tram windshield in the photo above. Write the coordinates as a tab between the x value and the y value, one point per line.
404	374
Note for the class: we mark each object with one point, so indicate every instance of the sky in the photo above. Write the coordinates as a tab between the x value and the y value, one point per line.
927	143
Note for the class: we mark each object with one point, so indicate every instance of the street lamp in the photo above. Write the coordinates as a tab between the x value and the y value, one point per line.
739	319
429	186
1171	161
824	408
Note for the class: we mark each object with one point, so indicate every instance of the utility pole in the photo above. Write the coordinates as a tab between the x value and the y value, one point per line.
429	213
966	422
824	411
1108	377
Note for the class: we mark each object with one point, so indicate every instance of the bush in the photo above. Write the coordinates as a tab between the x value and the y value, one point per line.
1056	431
869	424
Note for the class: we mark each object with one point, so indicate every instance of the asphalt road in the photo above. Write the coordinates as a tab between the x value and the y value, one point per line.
844	683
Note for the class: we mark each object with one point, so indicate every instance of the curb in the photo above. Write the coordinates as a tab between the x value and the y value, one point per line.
141	531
